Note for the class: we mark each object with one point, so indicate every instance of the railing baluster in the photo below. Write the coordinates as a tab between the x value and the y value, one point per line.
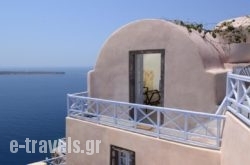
239	95
158	123
218	136
135	117
186	125
98	112
115	113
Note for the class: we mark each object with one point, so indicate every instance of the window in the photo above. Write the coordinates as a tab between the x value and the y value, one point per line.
121	156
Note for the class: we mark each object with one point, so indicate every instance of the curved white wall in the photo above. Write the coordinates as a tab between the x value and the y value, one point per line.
187	84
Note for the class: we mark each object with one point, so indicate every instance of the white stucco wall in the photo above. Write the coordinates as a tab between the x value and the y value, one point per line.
187	84
235	149
148	150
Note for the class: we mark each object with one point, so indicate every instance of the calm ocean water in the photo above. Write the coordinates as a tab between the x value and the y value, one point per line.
34	107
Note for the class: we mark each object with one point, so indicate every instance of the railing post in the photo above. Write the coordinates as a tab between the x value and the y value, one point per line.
98	113
186	125
158	122
228	88
82	109
239	94
218	136
135	117
115	113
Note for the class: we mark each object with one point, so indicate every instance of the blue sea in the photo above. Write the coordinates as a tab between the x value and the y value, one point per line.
34	107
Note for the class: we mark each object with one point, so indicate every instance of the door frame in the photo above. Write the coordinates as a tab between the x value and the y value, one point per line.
132	70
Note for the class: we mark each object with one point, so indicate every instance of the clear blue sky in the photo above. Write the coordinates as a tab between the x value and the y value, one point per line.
71	32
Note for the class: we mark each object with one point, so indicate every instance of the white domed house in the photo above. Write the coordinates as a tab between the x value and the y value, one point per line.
179	63
163	92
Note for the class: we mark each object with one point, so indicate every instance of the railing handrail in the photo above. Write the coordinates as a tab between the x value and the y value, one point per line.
148	106
238	77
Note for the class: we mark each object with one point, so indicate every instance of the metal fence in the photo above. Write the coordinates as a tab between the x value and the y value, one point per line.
195	128
60	160
238	96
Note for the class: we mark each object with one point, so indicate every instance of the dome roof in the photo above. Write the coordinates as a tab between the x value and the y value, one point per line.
162	34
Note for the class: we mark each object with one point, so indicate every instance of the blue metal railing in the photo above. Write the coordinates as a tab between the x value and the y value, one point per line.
60	160
195	128
238	96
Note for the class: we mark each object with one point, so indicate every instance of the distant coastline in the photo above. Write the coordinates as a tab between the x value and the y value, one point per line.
30	72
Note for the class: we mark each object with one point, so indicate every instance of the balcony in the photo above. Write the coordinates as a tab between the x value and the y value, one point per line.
193	128
188	127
